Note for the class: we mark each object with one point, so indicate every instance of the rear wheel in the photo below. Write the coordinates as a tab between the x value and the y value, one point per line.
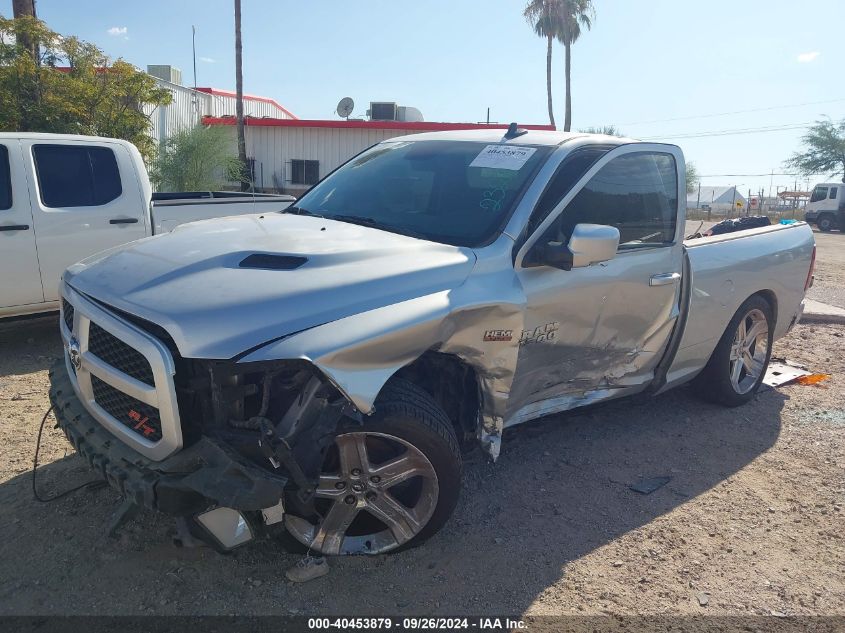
738	364
387	485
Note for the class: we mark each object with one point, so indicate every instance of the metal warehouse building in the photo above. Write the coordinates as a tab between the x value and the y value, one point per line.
289	155
190	105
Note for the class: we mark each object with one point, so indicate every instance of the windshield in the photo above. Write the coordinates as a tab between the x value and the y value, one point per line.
455	192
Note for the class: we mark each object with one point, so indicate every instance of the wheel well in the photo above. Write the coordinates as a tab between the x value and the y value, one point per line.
771	299
454	386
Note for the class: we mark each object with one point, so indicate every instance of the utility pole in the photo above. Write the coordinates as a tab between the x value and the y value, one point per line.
26	8
194	50
239	98
23	7
733	202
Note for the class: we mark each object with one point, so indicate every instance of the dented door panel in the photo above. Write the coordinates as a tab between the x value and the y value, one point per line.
610	330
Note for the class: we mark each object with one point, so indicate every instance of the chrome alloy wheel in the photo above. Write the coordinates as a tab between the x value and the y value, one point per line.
376	493
749	351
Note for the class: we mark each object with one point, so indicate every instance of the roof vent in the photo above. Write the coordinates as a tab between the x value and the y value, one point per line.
268	261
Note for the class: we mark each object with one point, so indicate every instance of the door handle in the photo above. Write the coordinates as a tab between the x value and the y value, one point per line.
14	227
663	279
123	221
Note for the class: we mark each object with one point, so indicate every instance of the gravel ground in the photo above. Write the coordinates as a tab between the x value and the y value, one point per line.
750	522
829	285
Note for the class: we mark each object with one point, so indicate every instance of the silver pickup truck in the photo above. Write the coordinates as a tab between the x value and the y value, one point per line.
322	370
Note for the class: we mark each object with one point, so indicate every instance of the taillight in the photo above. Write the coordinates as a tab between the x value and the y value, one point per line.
808	284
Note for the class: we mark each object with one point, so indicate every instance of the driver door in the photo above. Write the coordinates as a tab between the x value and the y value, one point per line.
598	332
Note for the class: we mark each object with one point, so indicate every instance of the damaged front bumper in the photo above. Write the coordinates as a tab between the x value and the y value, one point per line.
204	475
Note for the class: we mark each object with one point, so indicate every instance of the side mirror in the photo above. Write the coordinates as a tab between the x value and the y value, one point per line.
593	243
589	244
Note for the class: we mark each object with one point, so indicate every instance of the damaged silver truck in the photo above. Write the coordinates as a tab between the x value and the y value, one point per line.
320	371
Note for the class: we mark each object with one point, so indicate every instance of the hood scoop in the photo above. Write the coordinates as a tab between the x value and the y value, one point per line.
268	261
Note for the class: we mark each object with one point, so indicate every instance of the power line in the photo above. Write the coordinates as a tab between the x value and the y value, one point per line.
718	114
732	132
768	173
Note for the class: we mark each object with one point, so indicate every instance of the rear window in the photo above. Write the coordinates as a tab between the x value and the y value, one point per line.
76	175
5	180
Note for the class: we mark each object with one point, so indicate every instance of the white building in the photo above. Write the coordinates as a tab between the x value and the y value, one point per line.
720	200
190	105
289	155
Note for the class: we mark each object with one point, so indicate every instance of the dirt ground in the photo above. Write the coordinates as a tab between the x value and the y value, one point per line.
750	522
829	285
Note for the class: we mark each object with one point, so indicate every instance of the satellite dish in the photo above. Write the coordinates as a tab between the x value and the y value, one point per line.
344	108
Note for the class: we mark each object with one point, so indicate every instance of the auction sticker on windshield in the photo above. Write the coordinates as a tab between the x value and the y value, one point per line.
511	157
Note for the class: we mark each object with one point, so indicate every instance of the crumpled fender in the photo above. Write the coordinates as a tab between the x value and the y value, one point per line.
360	353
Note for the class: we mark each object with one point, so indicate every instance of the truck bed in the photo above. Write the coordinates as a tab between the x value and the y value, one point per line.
775	260
169	210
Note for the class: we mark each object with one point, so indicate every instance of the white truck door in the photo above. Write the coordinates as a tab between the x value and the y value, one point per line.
85	199
597	332
20	283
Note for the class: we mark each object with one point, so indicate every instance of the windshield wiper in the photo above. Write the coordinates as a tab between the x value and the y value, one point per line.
373	223
294	210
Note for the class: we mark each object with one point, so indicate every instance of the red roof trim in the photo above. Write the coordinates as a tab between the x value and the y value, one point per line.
229	93
428	126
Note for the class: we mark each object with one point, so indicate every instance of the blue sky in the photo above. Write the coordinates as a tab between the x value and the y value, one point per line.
642	64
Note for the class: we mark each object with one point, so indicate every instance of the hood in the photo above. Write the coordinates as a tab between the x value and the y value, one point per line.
221	287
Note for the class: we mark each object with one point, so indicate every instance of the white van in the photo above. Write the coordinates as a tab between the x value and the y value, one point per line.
825	208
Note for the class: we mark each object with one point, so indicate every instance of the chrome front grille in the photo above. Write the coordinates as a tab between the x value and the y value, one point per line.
67	314
134	414
112	351
123	375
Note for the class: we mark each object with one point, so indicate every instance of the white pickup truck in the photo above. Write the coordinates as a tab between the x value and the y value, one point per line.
324	368
65	197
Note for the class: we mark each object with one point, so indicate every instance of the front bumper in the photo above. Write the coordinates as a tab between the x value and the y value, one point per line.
203	475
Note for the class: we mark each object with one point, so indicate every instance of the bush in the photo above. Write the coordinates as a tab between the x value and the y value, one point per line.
199	159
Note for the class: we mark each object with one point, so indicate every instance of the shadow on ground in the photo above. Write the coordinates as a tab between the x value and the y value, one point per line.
559	491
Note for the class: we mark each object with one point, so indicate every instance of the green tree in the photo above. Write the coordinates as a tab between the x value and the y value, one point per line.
67	85
609	130
824	150
692	177
562	20
198	159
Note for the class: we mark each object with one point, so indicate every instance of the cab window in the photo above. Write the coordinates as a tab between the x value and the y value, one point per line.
637	193
76	175
5	180
819	194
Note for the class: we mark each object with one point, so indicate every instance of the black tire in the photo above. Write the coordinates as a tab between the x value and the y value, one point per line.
714	382
826	223
405	411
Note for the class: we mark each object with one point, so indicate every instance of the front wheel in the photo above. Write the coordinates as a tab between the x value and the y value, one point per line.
387	485
826	223
738	365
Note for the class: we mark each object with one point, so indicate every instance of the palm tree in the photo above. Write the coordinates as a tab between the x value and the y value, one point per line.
543	16
575	14
560	20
